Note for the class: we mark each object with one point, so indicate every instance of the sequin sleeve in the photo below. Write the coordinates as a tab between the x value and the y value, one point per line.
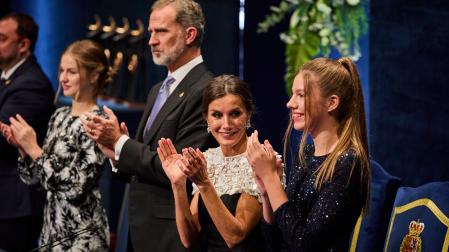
311	225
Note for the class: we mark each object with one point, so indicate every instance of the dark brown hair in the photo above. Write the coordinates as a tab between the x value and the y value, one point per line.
225	84
26	27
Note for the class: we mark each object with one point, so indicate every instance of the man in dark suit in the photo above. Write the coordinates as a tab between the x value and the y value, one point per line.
173	110
24	90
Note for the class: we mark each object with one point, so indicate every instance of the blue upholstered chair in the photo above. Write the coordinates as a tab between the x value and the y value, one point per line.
420	219
370	231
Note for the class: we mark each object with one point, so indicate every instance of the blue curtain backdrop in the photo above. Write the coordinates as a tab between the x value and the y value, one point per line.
409	48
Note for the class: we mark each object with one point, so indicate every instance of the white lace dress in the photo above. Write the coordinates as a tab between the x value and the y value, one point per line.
229	175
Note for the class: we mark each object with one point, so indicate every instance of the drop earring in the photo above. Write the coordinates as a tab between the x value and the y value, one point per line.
208	128
248	124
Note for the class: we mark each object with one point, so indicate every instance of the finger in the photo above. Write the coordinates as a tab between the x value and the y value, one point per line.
185	161
110	113
256	137
87	120
87	116
190	155
268	146
97	120
21	120
161	154
171	146
14	121
15	125
124	129
184	166
163	147
201	155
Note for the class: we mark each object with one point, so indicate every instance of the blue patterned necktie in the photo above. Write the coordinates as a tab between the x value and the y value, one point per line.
162	96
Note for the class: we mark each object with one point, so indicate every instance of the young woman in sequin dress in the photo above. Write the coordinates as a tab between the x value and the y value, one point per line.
68	165
225	209
329	186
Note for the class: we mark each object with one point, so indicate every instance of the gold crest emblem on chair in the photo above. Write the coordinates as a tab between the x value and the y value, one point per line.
412	241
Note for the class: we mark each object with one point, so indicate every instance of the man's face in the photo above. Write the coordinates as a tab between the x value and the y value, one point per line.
167	37
9	44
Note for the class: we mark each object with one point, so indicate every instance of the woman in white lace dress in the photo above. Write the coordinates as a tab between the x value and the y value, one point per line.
225	209
68	165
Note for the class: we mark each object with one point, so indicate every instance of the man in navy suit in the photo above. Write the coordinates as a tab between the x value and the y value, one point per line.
177	29
24	90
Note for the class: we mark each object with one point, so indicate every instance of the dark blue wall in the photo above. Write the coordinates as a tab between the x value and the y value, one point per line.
409	81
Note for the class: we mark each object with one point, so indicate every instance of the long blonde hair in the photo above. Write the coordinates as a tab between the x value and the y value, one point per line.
337	77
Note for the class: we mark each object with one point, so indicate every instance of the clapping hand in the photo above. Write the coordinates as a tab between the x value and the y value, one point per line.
262	158
25	136
259	182
170	161
194	165
105	131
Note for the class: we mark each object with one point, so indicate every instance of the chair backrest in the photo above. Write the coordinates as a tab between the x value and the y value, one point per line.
370	231
419	220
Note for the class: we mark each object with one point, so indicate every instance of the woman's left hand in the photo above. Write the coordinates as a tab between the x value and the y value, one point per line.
261	157
24	134
194	166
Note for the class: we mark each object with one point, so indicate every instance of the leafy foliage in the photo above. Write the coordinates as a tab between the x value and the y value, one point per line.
317	26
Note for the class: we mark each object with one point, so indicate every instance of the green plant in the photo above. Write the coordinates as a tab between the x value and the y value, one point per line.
317	26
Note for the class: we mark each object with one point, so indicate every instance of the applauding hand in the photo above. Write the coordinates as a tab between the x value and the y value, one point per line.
194	165
262	158
25	137
170	161
105	131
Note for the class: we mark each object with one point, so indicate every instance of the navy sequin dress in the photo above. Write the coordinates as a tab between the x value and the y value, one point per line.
69	169
318	220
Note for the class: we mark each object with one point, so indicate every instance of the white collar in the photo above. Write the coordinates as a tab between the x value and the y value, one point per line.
180	73
7	74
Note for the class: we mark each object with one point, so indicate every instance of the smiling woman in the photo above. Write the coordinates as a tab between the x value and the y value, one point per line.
225	209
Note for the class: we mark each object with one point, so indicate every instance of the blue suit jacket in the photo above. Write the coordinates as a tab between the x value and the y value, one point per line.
30	94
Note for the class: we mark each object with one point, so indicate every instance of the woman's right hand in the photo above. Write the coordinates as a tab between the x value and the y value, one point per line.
169	159
261	157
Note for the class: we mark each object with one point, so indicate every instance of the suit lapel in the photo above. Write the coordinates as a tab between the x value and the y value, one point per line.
31	60
175	98
22	68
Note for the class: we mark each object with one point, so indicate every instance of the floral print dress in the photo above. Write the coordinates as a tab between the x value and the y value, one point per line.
69	169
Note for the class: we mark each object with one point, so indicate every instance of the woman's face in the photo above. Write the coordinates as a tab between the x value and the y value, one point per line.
73	79
227	119
296	104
